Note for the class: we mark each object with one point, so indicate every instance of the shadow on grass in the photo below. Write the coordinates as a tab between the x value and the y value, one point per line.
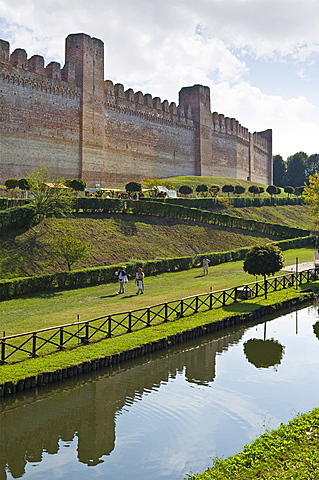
241	307
110	296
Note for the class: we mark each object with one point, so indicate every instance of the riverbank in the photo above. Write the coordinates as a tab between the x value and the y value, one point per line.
289	452
60	366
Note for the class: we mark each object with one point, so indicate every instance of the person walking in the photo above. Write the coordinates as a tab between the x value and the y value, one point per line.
139	280
205	264
122	278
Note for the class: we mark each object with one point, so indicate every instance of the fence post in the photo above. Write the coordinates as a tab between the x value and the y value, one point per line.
3	351
182	309
236	294
34	345
87	330
129	322
109	321
165	313
275	284
61	339
257	285
224	298
196	304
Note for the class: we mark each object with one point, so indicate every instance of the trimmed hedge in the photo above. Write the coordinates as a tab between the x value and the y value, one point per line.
221	202
11	202
17	217
94	276
163	209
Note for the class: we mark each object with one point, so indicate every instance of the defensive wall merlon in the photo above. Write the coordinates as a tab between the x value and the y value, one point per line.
17	68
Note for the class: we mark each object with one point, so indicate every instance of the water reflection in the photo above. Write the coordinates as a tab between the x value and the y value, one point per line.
263	353
87	409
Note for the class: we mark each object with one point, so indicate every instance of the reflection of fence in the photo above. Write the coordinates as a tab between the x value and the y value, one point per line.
17	347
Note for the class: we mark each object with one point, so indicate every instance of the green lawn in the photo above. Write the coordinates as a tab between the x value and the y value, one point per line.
60	307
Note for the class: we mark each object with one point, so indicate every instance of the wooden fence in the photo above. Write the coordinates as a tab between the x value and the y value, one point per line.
39	342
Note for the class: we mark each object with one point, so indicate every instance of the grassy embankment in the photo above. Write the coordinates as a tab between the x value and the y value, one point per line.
114	238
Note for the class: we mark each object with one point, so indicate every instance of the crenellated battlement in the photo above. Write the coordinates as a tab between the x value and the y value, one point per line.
144	105
84	126
17	69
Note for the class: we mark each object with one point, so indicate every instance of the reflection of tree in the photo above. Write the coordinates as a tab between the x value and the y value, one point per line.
263	353
316	329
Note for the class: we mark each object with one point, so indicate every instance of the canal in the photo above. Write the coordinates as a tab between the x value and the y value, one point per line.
167	414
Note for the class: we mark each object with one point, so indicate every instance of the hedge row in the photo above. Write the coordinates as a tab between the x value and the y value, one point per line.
233	201
97	275
23	217
11	202
163	209
17	217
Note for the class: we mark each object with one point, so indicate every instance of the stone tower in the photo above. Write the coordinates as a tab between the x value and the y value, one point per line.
196	101
87	55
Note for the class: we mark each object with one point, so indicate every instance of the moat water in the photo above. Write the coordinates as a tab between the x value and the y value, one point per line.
166	415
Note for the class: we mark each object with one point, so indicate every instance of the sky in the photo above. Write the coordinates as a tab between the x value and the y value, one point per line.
260	58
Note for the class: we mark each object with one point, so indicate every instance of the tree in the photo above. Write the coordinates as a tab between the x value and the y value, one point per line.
11	183
263	260
228	189
76	184
133	187
289	190
312	165
253	189
185	190
48	198
279	170
239	189
273	190
296	169
23	184
260	190
311	194
201	188
71	249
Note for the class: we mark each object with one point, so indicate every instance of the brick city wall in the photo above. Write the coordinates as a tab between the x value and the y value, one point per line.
81	126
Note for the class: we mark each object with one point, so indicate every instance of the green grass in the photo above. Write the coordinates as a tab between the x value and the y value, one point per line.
60	307
289	452
116	238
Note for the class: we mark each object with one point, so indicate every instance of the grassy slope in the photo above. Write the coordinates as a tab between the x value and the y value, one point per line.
116	239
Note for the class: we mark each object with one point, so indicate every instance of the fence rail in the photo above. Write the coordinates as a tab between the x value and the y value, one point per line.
32	344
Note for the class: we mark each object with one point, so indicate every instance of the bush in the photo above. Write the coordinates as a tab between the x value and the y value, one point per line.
11	183
228	189
185	190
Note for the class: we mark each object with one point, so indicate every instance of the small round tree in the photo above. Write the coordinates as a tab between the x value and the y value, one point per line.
289	190
213	190
23	184
133	187
239	189
11	183
185	190
201	188
76	184
272	190
228	189
263	260
253	189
